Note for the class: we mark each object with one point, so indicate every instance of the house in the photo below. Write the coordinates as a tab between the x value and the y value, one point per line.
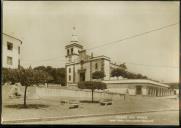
11	51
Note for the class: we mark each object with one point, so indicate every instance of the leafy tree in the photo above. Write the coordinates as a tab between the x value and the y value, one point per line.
98	75
57	75
118	72
92	85
43	68
131	75
60	76
27	77
5	75
123	66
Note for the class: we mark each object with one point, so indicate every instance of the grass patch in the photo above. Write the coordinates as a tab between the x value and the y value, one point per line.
29	106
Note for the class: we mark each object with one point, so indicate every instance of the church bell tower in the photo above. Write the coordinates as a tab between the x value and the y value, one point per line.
73	48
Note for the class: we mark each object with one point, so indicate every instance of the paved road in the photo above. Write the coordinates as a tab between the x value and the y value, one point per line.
154	118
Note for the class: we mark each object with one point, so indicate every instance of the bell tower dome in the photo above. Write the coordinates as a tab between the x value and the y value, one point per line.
73	48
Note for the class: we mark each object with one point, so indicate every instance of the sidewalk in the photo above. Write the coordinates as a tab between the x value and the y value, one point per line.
79	116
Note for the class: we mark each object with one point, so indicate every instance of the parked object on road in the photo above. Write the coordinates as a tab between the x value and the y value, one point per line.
73	104
106	102
63	102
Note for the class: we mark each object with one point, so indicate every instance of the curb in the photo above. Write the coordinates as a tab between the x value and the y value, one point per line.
79	116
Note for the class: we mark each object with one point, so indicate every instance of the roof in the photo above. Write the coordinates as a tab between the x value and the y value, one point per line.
74	44
100	57
135	81
12	37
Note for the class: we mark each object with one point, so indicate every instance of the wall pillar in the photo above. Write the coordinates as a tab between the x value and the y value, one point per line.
151	91
162	91
144	90
154	91
148	91
159	92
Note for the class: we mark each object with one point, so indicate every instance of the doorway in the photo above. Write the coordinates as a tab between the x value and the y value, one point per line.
82	76
138	90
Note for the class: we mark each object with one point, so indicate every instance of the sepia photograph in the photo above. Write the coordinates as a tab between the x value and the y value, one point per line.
90	62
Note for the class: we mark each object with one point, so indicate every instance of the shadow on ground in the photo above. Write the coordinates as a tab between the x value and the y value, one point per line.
88	101
21	106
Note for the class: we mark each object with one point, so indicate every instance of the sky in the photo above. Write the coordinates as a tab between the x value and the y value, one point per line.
45	27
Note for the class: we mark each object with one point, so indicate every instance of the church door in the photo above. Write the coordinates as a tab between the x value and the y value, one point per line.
82	76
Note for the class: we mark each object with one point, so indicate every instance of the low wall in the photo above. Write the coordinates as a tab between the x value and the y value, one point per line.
83	94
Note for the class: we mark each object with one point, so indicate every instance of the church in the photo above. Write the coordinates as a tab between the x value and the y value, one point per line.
80	65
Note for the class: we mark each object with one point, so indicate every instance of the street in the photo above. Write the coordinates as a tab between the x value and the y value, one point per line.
154	118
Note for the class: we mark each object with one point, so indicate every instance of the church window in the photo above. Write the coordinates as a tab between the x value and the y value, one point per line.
67	51
72	50
69	77
96	66
69	70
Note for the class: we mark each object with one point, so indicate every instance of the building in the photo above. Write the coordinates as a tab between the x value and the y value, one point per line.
11	51
139	87
80	65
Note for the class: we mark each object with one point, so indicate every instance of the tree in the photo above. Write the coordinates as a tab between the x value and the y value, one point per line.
26	77
92	85
118	72
123	66
57	74
98	75
60	76
5	75
43	68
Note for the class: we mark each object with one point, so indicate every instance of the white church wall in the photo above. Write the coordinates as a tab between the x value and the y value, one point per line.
107	69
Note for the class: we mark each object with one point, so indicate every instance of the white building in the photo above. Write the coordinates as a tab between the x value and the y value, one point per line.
11	51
